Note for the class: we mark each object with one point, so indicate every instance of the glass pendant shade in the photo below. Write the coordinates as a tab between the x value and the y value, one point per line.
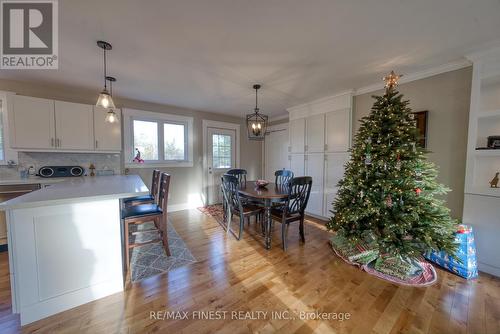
105	100
256	126
111	116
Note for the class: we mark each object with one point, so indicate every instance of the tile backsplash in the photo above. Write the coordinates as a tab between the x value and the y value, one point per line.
101	161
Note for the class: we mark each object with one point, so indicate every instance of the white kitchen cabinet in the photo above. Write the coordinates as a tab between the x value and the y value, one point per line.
297	164
297	135
338	129
315	133
74	126
334	171
324	128
33	123
314	167
108	136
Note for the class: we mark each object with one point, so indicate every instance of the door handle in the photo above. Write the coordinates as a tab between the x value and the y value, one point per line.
96	144
209	170
51	142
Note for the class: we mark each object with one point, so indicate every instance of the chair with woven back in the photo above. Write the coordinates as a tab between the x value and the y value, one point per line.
151	197
241	174
292	210
283	176
144	213
235	204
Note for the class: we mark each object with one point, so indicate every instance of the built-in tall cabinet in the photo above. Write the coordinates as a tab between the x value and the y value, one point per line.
48	125
481	201
320	137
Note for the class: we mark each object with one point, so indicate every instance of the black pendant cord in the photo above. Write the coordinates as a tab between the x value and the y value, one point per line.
105	81
256	104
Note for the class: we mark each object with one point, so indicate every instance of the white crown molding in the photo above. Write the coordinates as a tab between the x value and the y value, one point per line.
278	118
448	67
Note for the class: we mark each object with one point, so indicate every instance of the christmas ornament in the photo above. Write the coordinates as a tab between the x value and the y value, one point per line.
388	201
418	191
368	159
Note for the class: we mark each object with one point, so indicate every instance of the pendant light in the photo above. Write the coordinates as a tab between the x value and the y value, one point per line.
256	122
111	115
104	100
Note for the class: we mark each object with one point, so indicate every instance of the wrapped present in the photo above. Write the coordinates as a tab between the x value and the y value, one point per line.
466	253
361	253
397	266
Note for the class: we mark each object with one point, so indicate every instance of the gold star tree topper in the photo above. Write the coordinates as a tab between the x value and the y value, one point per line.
391	80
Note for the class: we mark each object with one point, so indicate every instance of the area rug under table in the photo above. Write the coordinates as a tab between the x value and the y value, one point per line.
215	210
151	259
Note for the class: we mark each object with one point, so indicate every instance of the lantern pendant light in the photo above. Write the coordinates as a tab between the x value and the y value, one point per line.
111	115
104	100
256	122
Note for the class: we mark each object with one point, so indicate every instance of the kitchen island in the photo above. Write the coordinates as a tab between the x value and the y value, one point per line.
65	243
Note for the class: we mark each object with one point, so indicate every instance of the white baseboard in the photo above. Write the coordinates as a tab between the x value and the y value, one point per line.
486	268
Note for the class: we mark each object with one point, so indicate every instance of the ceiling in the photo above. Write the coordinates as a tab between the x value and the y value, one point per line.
207	54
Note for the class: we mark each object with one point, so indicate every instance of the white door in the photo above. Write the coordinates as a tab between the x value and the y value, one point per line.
108	136
334	172
315	134
275	151
338	129
33	120
297	164
315	168
74	126
221	156
297	135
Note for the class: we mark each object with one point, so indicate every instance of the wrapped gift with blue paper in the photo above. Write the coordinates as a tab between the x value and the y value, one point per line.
466	252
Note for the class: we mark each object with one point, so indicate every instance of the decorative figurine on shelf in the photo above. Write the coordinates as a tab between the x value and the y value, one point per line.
494	182
137	158
92	170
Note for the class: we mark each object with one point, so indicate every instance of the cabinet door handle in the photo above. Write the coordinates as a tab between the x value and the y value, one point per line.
51	142
96	144
58	142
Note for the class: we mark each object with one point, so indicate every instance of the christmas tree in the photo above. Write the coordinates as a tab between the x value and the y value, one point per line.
389	189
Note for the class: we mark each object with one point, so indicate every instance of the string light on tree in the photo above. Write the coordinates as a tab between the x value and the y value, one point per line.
381	192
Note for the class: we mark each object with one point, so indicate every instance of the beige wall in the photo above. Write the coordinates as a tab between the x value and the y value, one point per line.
446	96
186	182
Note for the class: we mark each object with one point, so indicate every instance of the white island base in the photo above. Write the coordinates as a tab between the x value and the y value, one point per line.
65	244
64	256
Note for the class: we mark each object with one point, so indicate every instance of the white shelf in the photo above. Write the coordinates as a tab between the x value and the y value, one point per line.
483	191
487	153
489	113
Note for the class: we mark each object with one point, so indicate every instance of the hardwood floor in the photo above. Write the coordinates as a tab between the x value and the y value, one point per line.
243	276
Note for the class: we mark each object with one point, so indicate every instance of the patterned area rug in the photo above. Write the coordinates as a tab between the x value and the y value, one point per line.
215	211
150	260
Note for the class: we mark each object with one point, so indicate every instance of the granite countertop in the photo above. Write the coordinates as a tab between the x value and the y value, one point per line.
81	189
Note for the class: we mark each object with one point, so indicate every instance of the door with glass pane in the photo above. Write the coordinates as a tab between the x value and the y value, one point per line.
221	156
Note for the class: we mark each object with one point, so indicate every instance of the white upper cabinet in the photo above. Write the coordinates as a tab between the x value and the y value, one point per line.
315	133
108	136
297	135
48	125
338	129
33	123
74	126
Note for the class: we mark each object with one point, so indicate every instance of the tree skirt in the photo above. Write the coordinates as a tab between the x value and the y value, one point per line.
427	277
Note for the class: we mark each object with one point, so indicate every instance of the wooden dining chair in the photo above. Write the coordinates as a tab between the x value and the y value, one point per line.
241	174
236	206
283	176
145	199
144	213
299	189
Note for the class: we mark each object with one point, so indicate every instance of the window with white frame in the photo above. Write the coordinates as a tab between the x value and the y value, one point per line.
157	139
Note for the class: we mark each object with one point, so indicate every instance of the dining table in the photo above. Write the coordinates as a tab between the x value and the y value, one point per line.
270	194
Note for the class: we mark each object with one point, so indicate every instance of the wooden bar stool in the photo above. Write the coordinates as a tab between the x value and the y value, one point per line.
144	213
151	197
